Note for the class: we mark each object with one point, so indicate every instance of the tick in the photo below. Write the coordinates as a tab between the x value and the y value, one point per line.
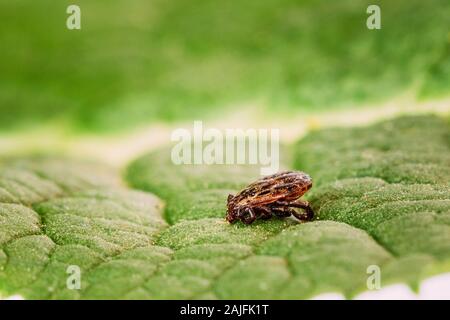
277	195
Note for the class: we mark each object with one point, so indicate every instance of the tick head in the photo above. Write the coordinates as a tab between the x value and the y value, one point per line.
231	215
231	218
231	210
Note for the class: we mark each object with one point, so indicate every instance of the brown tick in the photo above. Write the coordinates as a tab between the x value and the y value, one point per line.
272	195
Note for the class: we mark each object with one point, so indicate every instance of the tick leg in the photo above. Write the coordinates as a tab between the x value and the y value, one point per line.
250	217
240	215
283	212
263	213
309	213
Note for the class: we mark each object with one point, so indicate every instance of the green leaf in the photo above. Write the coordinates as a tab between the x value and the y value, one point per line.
371	209
399	224
57	213
410	150
169	60
391	179
194	191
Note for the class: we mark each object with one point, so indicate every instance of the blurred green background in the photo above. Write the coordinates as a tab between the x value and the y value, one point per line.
140	62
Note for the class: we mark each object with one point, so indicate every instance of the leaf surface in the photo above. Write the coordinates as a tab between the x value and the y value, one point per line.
381	197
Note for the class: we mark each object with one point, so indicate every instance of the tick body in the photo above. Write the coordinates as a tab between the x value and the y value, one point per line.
277	195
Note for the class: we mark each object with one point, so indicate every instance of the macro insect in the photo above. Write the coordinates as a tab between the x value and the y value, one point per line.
276	194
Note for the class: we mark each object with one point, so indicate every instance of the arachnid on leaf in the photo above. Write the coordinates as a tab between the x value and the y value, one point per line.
272	195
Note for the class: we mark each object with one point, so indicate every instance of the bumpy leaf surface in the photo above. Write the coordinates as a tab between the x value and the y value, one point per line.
381	197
